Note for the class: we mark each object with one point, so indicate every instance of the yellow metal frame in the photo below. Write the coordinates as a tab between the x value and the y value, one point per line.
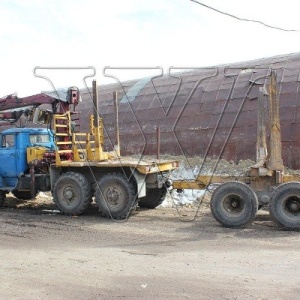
78	146
79	149
202	181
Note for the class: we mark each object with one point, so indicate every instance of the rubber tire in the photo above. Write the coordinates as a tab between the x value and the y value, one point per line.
125	191
23	195
232	219
2	197
80	188
278	210
153	198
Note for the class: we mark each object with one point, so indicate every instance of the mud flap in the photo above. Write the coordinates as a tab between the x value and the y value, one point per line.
140	182
2	183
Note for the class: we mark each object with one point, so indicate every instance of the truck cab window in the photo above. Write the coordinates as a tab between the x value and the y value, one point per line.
39	138
8	140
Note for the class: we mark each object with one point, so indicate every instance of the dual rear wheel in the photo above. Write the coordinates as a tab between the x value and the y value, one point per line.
235	204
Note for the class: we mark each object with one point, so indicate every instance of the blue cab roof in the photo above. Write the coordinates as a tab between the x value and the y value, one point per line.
27	130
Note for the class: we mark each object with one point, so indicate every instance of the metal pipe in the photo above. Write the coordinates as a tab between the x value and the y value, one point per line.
95	104
158	142
261	142
116	108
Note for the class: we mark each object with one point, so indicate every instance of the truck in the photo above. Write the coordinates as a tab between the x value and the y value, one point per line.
74	165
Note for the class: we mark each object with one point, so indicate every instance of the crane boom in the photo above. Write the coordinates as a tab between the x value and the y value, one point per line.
12	107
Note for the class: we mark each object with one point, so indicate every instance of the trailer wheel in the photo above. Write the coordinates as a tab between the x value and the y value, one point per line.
116	196
285	205
153	198
23	195
72	193
2	197
234	204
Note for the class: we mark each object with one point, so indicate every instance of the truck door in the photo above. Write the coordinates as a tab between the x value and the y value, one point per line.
8	156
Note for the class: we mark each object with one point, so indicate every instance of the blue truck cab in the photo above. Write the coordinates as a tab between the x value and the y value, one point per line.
14	167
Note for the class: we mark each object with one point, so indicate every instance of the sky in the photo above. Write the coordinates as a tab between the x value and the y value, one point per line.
133	34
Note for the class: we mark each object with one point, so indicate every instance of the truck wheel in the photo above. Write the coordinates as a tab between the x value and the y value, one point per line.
116	196
153	198
2	197
285	205
234	204
72	193
23	195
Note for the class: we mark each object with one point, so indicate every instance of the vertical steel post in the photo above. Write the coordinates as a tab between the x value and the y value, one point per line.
275	161
261	139
158	142
98	148
95	104
117	132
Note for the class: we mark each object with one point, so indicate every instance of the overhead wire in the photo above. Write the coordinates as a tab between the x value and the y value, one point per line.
243	19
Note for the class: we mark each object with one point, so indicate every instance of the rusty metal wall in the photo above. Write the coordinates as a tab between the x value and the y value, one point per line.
211	112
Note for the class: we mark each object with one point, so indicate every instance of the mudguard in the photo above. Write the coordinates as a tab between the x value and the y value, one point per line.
2	183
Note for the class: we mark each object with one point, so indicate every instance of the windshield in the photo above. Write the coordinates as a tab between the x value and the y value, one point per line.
39	138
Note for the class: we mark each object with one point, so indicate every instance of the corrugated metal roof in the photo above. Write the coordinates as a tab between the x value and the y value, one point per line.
200	112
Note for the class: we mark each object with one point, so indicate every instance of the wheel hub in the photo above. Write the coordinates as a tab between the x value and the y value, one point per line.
68	194
293	205
233	204
112	195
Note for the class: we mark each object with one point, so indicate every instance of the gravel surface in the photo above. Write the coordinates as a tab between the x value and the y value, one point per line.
167	253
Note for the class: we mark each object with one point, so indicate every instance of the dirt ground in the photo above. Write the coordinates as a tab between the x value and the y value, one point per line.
166	253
